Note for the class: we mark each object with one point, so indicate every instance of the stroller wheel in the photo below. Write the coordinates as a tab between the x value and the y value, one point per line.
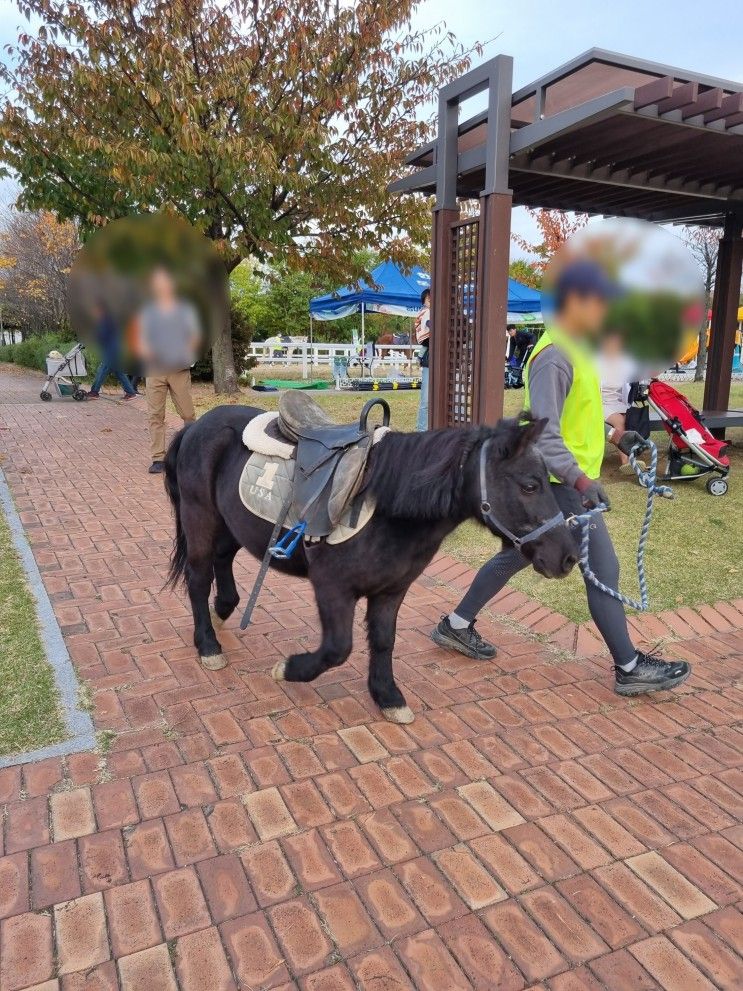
79	395
717	486
46	396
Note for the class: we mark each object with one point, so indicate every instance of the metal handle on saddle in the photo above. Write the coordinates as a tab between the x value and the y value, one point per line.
370	405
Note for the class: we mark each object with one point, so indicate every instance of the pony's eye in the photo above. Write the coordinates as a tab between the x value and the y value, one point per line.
529	488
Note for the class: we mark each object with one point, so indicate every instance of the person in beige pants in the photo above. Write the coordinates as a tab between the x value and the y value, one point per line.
169	335
178	384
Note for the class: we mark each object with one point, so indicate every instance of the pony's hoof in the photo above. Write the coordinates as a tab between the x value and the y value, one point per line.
214	663
402	714
217	621
278	672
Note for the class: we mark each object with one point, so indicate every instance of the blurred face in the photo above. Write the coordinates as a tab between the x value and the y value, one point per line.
161	284
426	299
583	315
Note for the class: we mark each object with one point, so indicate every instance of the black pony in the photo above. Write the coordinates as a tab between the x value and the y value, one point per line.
424	485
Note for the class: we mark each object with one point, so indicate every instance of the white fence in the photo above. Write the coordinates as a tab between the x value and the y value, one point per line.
306	356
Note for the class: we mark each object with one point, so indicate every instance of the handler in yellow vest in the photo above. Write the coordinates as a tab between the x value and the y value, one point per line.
563	387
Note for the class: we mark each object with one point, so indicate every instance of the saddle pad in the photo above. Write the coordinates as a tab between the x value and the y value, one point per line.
267	483
263	436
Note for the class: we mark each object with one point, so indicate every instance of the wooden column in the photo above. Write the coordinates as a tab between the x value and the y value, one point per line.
441	304
490	337
724	316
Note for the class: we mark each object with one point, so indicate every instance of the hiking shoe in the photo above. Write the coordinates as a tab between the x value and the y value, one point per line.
157	468
650	674
467	641
128	396
93	395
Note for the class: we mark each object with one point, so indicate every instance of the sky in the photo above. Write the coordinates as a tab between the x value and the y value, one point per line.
543	34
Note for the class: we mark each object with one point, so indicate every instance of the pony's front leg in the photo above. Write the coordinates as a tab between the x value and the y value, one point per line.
336	610
381	619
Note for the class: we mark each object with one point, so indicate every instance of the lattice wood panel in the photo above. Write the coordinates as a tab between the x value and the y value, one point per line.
462	316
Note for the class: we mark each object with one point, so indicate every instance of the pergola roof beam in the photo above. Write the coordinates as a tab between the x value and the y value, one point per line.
531	136
730	105
682	96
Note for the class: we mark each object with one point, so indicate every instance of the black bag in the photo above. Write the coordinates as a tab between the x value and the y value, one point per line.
638	412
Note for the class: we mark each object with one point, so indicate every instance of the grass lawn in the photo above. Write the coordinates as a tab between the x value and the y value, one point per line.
29	706
695	552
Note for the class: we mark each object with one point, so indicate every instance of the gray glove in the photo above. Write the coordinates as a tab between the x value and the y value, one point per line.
592	493
630	439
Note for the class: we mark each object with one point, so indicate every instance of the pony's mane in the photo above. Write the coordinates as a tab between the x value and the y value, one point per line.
420	475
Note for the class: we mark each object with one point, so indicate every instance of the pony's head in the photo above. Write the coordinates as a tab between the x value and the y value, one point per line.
516	499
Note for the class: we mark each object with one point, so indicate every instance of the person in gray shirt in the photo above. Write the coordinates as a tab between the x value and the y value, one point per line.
169	334
564	388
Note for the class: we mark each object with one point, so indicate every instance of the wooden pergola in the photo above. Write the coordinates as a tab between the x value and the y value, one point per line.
604	134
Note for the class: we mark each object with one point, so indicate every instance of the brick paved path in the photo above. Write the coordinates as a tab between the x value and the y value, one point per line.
530	829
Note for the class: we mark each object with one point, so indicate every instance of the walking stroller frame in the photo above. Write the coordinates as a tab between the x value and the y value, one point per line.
62	371
692	449
515	369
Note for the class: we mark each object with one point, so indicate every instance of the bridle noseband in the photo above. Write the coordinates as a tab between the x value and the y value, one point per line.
486	510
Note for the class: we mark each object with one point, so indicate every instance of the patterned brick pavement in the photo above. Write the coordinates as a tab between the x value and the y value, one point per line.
530	829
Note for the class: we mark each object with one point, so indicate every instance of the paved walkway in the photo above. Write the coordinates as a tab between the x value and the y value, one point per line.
530	829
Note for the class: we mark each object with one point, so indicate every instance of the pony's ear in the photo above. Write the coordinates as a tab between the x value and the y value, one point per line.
514	434
529	432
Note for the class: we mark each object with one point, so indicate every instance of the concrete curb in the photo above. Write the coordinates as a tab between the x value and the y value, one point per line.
79	724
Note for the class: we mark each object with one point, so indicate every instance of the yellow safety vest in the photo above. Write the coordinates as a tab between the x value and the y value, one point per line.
582	419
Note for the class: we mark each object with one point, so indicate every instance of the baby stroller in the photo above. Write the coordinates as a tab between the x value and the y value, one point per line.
692	450
62	371
515	369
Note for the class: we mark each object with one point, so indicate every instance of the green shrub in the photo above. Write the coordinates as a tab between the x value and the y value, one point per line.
32	352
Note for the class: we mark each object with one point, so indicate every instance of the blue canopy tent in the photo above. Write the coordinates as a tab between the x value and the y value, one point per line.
399	293
522	299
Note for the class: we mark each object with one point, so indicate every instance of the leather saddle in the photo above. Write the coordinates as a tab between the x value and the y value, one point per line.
330	460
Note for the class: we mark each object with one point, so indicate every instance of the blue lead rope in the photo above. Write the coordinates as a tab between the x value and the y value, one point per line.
584	520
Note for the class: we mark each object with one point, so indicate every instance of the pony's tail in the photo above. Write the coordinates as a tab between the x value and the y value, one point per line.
179	554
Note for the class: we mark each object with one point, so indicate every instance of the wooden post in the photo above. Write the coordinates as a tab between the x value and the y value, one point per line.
441	303
490	337
724	316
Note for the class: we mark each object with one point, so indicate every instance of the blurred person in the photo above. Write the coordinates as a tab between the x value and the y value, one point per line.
168	335
562	386
108	339
423	337
617	372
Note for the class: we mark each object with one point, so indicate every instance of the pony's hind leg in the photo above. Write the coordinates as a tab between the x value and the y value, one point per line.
336	615
201	537
381	620
227	597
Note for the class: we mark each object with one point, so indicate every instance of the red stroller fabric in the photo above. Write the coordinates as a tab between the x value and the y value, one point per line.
684	419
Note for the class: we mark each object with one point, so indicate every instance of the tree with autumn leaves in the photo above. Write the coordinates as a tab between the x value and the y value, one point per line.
555	227
272	126
36	255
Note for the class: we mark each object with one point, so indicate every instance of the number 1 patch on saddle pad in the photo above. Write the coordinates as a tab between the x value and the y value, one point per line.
267	483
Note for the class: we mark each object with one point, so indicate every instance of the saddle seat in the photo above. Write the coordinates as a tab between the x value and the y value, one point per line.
330	459
301	418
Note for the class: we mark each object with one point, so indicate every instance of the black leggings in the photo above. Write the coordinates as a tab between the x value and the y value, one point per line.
607	613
